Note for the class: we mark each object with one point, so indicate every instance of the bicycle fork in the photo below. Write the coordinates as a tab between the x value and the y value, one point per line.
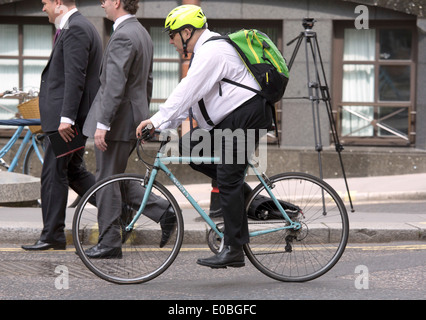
148	188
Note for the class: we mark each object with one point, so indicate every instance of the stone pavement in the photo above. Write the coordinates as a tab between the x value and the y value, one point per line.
23	225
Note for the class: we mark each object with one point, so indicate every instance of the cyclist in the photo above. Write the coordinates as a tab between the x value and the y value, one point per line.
215	105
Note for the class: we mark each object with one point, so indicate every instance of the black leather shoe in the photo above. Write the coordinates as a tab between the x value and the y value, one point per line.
101	251
40	246
230	256
167	223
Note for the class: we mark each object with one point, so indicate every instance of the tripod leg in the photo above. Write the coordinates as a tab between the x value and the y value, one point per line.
325	93
313	88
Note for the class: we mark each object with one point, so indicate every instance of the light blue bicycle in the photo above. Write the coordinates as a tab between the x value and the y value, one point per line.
300	234
33	159
31	145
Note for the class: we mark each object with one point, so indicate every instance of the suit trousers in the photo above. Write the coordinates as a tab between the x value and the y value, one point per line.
58	174
230	175
110	200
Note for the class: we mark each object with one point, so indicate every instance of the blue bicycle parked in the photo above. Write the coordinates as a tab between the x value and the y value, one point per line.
31	145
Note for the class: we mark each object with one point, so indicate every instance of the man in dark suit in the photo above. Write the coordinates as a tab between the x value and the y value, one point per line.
69	84
120	105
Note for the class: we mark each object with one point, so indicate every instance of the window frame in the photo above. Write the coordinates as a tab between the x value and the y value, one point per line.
338	63
5	131
21	57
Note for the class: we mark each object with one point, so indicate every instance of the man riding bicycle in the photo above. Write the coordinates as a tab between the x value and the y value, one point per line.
218	107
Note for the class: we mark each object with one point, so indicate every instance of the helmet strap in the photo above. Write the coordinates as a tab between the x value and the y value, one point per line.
185	43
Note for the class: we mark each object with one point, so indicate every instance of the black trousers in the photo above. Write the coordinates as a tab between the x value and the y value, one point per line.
56	177
230	172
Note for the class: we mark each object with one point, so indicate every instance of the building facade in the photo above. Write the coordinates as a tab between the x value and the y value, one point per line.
373	59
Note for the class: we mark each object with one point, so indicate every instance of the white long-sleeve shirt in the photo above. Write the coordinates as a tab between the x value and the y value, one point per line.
213	61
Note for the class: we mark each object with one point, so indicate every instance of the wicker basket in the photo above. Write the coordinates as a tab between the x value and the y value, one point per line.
30	110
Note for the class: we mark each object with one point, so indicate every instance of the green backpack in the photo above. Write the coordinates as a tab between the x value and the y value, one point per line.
264	61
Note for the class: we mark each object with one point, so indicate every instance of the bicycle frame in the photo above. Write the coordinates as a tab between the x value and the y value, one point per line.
159	164
28	136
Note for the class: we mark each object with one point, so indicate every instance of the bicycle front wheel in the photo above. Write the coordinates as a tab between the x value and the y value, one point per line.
138	257
309	252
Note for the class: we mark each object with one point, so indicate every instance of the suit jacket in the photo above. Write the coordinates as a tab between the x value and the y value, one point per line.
122	101
70	79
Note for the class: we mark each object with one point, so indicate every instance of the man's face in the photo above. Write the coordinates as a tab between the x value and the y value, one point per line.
176	40
109	7
51	8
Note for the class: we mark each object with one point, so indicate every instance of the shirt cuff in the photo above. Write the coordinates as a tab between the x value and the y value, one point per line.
67	120
102	126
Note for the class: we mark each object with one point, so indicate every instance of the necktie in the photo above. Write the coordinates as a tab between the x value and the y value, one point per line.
58	31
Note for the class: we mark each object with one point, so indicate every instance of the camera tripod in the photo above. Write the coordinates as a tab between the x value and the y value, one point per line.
318	91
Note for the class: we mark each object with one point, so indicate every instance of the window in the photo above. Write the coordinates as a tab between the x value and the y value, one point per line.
374	86
166	68
24	53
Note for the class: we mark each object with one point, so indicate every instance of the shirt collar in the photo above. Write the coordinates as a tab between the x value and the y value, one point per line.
120	20
65	18
207	34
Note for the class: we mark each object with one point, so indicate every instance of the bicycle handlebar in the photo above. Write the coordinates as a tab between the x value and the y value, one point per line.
20	122
15	93
145	136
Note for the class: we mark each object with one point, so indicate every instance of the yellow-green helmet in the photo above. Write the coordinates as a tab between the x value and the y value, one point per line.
185	16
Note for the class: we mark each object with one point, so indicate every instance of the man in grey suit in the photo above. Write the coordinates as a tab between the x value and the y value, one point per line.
120	104
69	84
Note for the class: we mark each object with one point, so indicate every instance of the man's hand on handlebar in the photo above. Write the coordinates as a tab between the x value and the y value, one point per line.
145	130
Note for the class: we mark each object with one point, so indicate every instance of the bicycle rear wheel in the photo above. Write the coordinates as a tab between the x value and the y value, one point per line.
32	164
140	258
304	254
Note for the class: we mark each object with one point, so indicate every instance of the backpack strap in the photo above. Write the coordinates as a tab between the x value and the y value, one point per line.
242	86
204	112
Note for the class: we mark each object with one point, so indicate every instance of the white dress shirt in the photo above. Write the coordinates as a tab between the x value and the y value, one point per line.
213	61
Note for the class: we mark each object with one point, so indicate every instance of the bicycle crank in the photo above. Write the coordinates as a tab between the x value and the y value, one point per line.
214	241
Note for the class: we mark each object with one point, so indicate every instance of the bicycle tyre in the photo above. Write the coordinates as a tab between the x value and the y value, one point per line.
142	259
32	164
311	251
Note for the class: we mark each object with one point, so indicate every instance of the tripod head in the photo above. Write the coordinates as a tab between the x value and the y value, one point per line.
308	23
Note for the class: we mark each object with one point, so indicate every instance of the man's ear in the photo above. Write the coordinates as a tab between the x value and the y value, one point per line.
188	32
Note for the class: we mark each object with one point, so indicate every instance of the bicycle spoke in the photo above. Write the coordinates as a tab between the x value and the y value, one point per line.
140	257
304	254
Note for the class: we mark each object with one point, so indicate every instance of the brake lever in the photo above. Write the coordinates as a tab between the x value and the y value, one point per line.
146	133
